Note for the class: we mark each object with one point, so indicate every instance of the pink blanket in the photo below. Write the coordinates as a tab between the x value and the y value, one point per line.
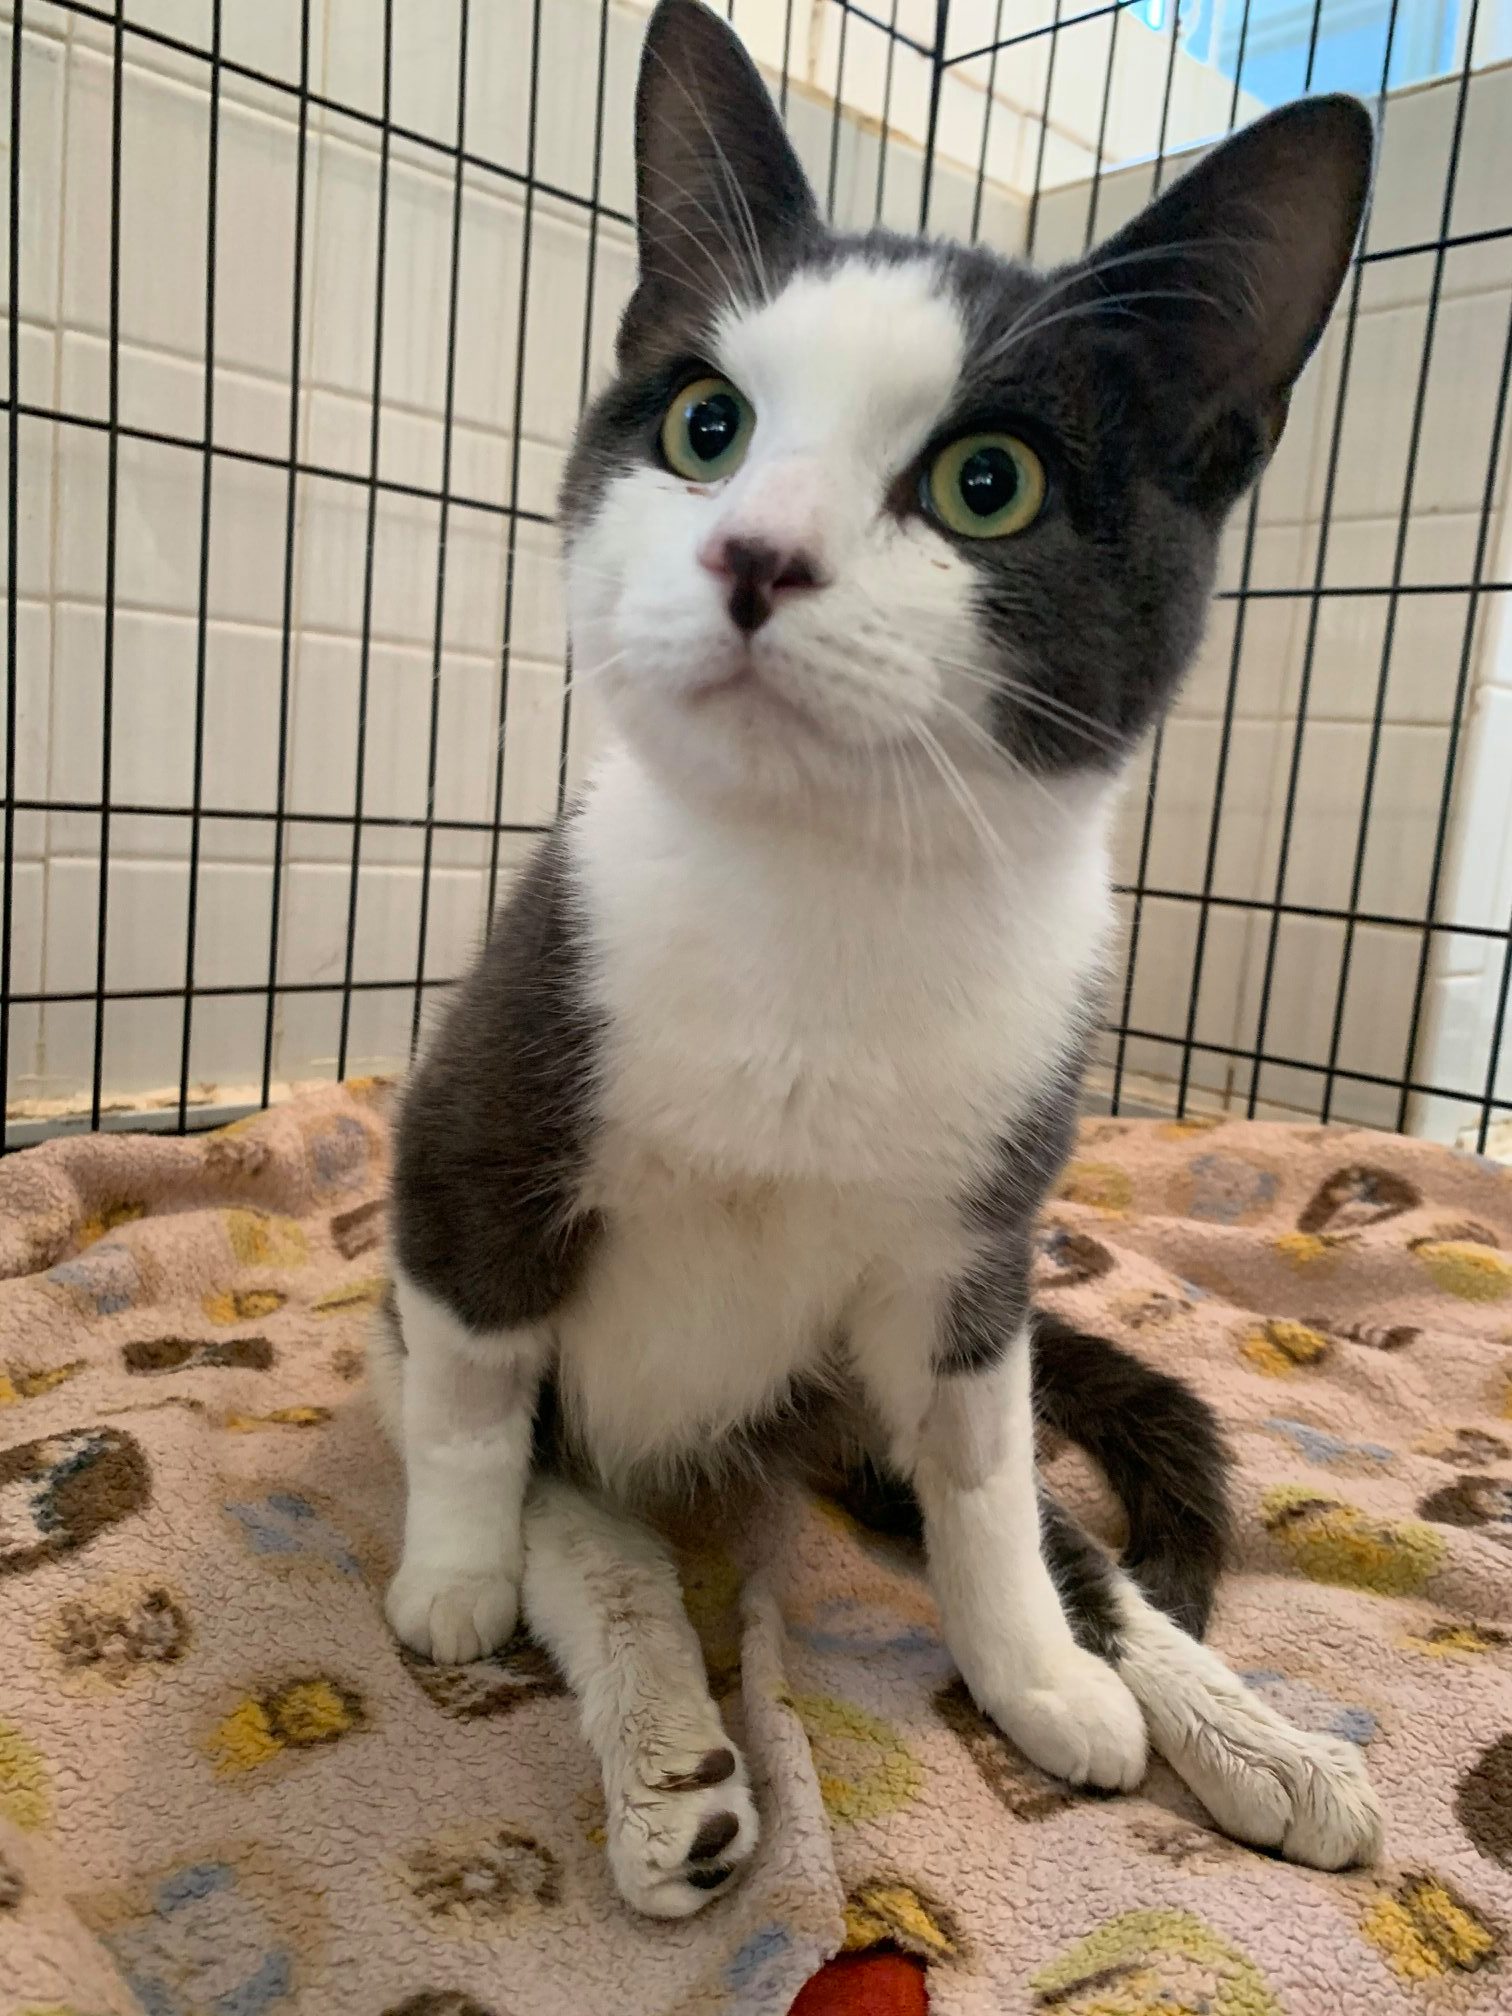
223	1789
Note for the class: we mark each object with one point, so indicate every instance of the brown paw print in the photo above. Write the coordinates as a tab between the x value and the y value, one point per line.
1357	1196
1473	1501
502	1875
1028	1794
62	1491
437	2002
1466	1447
521	1672
198	1354
1374	1336
1070	1259
1483	1801
358	1230
111	1635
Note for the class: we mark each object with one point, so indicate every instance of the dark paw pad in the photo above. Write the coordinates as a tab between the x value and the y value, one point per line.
711	1769
709	1879
716	1833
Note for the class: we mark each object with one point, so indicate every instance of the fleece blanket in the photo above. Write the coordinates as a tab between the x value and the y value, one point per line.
224	1789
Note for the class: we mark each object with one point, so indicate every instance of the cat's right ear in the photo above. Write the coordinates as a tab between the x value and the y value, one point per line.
721	200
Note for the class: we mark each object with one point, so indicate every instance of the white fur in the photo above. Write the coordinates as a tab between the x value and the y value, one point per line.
1262	1780
838	946
601	1591
467	1404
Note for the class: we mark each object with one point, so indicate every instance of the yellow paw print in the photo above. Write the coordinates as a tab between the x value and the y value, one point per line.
1332	1541
1281	1348
1472	1272
1426	1931
297	1716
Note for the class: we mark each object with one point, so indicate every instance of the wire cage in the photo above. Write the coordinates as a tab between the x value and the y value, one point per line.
302	300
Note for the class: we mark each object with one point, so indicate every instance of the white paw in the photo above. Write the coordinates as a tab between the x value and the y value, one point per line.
1278	1787
681	1824
452	1615
1078	1721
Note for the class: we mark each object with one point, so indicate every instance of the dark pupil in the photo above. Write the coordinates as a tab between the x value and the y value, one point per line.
989	482
712	425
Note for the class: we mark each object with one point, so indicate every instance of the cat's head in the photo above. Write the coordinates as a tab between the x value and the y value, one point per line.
862	508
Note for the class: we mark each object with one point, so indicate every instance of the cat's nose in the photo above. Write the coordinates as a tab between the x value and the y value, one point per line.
757	573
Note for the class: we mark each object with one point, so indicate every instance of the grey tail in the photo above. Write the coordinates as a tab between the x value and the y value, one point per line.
1159	1446
1160	1449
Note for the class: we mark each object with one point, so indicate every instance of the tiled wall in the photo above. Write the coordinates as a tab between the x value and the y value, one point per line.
252	565
1328	868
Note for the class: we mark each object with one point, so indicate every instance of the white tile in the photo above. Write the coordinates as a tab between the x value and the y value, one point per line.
157	528
33	726
1485	168
166	394
1403	815
412	446
1303	1002
323	739
1268	642
1465	361
25	925
324	736
423	79
313	938
1407	200
146	916
307	1028
152	719
1164	973
1478	880
264	38
498	78
1453	1052
1184	799
37	457
1428	630
42	91
567	90
164	141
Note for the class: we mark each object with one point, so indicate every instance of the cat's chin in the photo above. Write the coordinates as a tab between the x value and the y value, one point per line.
746	693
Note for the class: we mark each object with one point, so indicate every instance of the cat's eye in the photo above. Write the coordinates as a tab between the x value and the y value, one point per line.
985	486
707	430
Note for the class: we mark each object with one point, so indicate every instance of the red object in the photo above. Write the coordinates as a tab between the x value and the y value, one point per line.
865	1984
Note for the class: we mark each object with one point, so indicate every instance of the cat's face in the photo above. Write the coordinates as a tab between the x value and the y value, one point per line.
869	517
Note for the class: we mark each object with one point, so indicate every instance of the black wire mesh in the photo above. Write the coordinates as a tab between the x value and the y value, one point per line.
926	54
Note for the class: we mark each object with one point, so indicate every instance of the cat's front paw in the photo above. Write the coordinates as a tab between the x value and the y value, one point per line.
452	1615
1077	1720
682	1822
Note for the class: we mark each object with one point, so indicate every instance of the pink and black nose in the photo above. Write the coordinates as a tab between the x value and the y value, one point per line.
757	574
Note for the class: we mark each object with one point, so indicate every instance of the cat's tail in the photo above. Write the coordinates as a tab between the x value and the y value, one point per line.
1159	1446
1155	1441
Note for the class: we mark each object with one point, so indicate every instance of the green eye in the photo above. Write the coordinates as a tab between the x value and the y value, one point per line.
707	430
985	486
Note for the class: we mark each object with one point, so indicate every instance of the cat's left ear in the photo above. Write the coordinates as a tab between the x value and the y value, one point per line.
721	200
1224	285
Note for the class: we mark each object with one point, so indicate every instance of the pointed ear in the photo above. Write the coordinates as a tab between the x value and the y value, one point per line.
1226	282
721	201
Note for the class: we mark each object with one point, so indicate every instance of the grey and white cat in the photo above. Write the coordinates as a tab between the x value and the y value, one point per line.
882	553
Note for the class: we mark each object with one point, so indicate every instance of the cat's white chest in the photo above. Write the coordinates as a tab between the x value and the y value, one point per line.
799	1080
774	1016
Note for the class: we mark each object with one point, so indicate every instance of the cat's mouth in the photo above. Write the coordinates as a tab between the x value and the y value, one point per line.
747	688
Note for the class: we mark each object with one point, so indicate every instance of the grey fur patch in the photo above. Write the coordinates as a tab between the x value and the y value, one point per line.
494	1128
989	1304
